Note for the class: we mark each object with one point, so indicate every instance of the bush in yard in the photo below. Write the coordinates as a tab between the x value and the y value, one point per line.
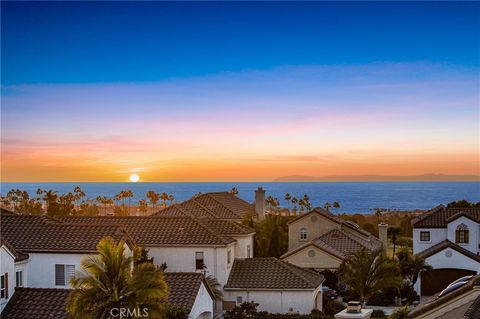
401	313
331	308
174	312
378	314
248	310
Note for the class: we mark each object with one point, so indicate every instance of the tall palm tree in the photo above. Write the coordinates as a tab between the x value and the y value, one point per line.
327	206
234	191
171	198
288	198
367	272
294	203
411	266
164	198
108	281
129	194
336	205
153	197
79	194
143	206
50	197
394	233
378	213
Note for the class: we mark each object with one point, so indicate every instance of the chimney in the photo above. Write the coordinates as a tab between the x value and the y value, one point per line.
382	235
260	202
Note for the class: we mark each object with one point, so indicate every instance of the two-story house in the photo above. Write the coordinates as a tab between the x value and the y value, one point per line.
449	240
321	240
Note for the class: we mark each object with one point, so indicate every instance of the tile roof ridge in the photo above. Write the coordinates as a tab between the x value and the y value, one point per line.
186	212
221	237
222	204
203	207
428	213
295	270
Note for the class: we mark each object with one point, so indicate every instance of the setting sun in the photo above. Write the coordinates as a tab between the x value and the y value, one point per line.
134	178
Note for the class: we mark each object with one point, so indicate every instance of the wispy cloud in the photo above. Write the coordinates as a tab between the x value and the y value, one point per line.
291	114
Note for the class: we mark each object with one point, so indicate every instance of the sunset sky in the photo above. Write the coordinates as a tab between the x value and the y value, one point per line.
238	91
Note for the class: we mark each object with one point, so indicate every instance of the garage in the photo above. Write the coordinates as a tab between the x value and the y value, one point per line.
440	279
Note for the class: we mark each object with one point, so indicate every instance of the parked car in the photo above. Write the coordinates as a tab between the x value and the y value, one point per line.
329	293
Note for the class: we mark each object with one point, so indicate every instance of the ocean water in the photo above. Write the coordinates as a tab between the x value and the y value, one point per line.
354	197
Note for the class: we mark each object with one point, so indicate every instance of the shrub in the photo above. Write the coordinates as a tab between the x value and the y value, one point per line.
248	310
401	313
174	312
378	313
331	308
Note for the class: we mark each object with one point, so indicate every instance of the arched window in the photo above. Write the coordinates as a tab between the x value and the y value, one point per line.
303	234
461	234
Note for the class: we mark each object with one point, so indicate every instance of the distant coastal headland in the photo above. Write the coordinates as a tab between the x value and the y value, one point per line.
380	178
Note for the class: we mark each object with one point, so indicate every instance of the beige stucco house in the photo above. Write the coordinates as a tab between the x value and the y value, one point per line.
321	240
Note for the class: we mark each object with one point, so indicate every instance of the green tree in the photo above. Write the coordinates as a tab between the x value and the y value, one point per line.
271	238
367	272
87	208
128	195
394	233
378	213
294	202
107	281
411	266
153	198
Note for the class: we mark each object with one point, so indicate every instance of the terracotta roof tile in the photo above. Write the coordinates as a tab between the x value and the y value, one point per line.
161	231
439	216
270	273
39	233
183	288
37	303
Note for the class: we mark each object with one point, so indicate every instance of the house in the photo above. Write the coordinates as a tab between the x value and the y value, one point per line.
187	290
277	286
47	252
184	243
463	302
12	271
191	292
320	240
449	240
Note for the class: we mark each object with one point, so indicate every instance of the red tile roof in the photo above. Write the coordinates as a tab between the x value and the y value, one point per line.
164	231
183	288
271	273
37	303
340	244
440	216
221	205
41	234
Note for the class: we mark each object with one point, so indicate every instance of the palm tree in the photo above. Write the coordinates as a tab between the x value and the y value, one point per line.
108	281
288	198
378	213
327	206
129	194
306	201
104	200
50	197
336	205
412	265
171	198
234	191
153	197
367	272
79	194
164	198
143	206
294	202
394	233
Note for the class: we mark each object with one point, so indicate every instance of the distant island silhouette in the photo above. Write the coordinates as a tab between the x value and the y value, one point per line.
380	178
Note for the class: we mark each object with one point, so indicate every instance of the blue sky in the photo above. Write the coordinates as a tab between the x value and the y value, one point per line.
73	42
238	91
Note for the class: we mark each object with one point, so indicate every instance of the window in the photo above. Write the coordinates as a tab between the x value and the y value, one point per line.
239	300
19	278
248	251
424	236
303	234
4	286
63	273
461	234
199	260
229	257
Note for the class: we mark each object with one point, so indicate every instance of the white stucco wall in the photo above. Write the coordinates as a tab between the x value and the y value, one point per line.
457	260
41	268
182	259
7	265
436	235
241	247
275	301
203	305
473	229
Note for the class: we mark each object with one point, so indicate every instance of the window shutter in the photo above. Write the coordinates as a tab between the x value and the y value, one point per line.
70	271
59	275
6	285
